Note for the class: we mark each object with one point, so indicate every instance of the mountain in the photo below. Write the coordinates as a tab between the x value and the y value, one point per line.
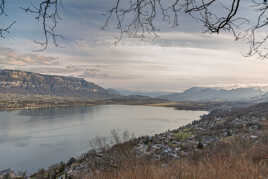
262	99
21	82
215	94
113	92
141	93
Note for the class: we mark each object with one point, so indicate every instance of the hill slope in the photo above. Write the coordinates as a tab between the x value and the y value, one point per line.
214	94
20	82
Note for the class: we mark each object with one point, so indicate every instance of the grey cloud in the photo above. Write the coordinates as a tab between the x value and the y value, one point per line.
97	74
50	70
195	40
20	141
150	64
13	58
86	71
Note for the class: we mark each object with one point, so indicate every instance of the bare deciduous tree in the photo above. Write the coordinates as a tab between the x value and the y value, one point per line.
140	17
4	30
47	13
137	18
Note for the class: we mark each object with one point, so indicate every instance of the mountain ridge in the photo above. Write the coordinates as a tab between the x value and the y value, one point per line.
29	83
216	94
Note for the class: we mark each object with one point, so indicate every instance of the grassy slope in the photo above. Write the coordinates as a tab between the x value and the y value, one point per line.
234	159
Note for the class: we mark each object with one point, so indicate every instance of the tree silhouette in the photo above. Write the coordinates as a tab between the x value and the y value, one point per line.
4	30
46	12
138	18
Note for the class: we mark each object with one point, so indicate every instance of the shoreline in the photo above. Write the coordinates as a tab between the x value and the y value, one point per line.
80	156
144	143
212	129
58	102
94	104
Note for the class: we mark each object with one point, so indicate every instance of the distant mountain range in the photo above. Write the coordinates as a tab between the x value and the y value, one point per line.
203	94
28	83
20	82
216	94
152	94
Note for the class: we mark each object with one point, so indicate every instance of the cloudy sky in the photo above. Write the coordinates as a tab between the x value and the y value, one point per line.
179	58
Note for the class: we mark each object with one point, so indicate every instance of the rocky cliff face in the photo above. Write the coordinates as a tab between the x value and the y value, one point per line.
20	82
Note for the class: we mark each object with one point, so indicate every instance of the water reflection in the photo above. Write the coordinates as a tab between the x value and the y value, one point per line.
56	113
33	139
20	140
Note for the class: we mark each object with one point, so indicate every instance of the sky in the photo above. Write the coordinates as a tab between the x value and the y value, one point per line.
178	59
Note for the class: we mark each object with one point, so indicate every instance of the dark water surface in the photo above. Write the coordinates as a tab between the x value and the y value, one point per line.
34	139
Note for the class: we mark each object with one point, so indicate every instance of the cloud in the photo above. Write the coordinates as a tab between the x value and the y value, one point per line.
98	74
195	40
10	57
180	58
89	72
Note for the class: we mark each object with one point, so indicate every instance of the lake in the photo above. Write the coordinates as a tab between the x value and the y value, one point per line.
34	139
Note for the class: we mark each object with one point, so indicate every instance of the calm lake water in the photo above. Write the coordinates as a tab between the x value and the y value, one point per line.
34	139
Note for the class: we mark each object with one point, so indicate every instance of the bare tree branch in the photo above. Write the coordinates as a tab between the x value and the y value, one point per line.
47	13
141	17
2	7
258	43
4	30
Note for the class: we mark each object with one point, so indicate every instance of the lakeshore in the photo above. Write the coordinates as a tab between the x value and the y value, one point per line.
48	135
223	124
217	128
11	102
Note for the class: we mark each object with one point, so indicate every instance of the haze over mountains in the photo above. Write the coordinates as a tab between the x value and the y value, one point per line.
216	94
203	94
28	83
152	94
